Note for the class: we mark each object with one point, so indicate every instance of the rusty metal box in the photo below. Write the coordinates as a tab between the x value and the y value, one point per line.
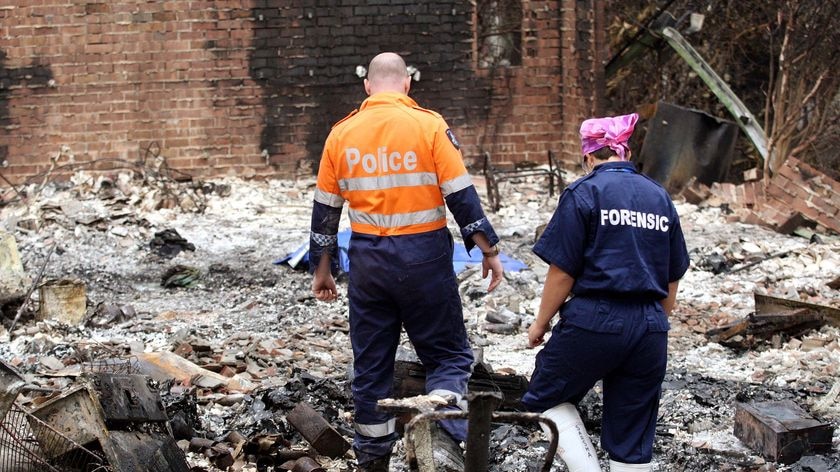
781	430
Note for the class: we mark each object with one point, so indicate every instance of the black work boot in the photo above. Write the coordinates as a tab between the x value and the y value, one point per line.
447	452
377	465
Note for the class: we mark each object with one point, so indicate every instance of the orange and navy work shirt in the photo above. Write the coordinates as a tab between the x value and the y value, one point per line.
398	166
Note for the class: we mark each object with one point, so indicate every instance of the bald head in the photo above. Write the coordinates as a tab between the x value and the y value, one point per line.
387	73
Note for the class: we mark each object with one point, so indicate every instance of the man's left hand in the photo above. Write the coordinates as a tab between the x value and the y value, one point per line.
493	265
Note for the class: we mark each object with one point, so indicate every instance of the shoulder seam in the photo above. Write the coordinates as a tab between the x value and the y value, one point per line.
352	113
431	112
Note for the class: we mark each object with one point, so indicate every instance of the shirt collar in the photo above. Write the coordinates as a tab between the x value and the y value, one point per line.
388	98
616	165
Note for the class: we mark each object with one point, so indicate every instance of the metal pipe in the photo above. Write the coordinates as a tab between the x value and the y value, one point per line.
481	408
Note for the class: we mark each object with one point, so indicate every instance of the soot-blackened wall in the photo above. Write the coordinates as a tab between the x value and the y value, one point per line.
252	88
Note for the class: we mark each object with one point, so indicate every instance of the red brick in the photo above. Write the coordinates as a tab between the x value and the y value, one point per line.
773	190
807	210
124	69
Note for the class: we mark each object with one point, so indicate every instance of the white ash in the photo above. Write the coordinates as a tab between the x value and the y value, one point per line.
242	297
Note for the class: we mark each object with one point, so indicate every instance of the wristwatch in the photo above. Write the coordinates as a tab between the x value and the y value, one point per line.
494	251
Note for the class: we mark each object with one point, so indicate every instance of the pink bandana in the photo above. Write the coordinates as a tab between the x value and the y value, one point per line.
596	133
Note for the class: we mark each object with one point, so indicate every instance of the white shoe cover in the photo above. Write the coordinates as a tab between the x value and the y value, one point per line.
622	467
573	443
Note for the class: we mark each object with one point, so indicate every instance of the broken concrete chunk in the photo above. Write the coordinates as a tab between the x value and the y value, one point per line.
13	279
503	316
498	328
84	212
52	363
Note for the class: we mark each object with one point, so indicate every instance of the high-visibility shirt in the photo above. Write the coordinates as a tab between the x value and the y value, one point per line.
392	162
398	166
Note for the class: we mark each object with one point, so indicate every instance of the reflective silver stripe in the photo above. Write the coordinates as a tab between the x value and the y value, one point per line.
377	430
399	219
456	184
329	199
383	182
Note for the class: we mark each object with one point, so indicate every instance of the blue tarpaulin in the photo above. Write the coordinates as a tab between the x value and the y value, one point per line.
460	259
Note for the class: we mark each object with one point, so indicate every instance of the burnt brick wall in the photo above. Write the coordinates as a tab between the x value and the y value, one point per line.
583	51
252	88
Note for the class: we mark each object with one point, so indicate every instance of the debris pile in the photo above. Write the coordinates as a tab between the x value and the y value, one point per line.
797	196
252	373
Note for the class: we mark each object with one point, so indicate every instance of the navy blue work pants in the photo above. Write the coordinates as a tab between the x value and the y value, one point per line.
621	342
395	282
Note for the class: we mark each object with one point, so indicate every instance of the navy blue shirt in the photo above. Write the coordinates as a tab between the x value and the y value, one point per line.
618	234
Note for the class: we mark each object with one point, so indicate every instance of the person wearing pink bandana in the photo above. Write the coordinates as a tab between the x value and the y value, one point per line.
616	253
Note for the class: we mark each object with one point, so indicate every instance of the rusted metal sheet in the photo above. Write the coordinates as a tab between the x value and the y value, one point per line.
781	431
74	414
315	429
682	143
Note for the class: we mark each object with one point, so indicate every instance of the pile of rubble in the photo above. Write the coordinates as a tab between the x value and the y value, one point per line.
115	283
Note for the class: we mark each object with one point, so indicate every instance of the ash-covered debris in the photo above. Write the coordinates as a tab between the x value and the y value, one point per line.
245	343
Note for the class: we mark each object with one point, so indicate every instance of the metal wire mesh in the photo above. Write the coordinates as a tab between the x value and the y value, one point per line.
27	444
112	365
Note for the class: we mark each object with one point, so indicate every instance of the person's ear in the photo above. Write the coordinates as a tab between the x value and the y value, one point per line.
588	163
367	86
407	84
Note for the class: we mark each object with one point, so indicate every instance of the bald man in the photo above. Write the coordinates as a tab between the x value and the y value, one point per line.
398	166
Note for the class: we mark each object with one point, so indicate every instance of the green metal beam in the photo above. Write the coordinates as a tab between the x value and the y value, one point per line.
736	107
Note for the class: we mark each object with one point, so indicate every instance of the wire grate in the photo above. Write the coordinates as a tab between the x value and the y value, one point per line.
114	365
